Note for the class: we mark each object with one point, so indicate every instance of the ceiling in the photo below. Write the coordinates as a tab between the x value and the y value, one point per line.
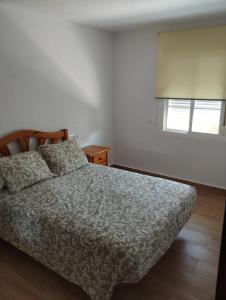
121	14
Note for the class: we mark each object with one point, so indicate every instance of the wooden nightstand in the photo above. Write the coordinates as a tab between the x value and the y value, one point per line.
97	154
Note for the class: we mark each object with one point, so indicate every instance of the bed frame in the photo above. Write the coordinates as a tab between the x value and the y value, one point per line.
22	138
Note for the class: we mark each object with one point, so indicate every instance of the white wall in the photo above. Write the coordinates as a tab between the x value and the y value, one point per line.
54	75
139	141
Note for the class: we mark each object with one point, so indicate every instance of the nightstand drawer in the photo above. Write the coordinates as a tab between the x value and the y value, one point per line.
100	158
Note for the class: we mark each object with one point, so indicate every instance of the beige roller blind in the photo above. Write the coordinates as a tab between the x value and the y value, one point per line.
192	64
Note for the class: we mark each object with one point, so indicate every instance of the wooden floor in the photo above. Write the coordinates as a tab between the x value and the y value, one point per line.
187	272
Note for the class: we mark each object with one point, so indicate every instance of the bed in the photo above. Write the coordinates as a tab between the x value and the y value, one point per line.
97	227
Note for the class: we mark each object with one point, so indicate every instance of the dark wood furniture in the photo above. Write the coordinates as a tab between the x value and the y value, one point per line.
221	281
97	154
22	138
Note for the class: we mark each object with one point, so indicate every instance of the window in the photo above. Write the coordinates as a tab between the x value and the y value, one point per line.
199	116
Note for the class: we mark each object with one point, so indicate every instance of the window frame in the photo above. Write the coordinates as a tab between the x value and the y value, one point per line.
190	132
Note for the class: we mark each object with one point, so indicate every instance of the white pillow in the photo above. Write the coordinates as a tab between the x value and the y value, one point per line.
2	183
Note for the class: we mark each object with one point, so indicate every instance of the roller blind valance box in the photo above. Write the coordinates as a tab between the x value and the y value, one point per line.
192	64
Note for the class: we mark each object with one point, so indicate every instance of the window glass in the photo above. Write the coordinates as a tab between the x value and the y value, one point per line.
178	115
187	116
206	116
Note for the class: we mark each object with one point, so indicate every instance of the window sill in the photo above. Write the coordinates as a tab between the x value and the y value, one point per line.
196	136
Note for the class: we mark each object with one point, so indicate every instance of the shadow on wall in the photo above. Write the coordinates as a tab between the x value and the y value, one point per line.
49	77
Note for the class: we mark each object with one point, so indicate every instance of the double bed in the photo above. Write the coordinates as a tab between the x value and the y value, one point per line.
98	226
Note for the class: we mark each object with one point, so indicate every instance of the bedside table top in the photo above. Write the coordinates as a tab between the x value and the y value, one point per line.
95	149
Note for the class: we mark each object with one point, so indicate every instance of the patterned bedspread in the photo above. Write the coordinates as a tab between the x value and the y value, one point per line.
97	227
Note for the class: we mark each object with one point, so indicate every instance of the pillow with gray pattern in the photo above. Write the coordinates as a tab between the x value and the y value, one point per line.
23	170
64	158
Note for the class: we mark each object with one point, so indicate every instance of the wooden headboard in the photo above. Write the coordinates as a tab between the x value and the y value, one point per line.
22	137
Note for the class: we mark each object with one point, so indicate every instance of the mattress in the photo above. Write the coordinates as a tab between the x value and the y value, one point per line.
97	227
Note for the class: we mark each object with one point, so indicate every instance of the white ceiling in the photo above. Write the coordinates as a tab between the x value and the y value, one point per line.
120	14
